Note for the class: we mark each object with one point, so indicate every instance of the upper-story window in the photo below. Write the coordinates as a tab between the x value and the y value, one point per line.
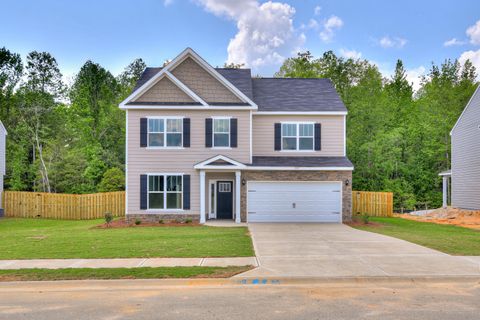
221	132
298	136
165	132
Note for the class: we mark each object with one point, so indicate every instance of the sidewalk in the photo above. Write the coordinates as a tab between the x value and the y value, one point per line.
127	263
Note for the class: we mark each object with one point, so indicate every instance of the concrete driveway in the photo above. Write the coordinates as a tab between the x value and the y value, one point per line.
337	250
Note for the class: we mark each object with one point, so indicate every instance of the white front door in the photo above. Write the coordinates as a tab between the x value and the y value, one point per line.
294	201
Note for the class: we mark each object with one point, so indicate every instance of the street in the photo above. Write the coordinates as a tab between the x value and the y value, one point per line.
152	299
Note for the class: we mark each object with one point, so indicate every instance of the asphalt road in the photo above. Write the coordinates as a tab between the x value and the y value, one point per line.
133	299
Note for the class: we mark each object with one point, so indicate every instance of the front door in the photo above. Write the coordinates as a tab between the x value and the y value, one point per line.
224	200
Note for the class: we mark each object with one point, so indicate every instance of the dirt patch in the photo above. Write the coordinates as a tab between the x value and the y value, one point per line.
121	223
449	215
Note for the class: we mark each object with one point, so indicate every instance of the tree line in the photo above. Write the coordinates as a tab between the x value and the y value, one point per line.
70	138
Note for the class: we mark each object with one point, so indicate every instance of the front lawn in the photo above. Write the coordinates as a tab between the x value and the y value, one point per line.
120	273
42	238
446	238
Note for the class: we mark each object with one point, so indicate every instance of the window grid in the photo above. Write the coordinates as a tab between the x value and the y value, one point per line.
156	182
166	127
302	131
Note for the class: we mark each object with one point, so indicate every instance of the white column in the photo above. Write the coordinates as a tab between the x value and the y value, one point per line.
445	191
202	196
238	177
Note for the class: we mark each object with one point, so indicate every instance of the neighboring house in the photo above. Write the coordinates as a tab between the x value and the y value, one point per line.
3	137
465	172
215	143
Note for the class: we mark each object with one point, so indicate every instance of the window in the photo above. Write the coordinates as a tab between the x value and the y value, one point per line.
297	136
165	132
224	187
165	192
221	132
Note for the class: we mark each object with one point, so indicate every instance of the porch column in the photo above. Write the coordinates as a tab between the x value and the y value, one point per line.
238	176
202	196
445	191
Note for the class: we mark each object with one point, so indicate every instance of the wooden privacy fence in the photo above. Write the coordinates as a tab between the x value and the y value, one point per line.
379	204
63	206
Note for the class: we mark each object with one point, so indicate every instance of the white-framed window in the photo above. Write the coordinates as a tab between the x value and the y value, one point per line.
224	187
165	191
298	136
221	132
165	132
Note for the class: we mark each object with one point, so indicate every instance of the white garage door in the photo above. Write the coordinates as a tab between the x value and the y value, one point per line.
294	201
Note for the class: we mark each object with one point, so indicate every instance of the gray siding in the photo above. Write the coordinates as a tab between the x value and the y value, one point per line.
466	157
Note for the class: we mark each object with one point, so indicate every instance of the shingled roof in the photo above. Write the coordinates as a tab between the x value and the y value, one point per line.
277	94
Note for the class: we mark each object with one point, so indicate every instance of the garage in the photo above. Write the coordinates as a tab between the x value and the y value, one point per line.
275	201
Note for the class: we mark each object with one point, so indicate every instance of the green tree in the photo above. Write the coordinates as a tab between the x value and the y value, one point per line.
113	180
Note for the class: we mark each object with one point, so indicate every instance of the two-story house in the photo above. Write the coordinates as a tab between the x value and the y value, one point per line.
214	143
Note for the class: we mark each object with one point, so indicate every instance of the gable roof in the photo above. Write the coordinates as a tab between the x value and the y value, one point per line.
272	94
154	74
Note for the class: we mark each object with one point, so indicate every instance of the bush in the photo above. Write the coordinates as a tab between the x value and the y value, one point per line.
108	218
161	221
365	218
113	180
138	221
188	220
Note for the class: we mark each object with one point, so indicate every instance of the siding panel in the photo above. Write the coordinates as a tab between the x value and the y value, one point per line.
264	135
466	157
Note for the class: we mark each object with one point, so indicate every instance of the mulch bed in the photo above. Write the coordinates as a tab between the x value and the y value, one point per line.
121	223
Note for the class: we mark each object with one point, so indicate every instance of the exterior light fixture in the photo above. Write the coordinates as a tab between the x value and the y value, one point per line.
244	182
347	182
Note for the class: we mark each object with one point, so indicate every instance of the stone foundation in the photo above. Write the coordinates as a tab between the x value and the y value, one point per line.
155	217
300	176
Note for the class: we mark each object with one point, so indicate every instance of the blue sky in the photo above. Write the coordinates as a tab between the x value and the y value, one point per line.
258	33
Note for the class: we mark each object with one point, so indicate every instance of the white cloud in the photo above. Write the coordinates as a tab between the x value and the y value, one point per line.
313	24
473	56
388	42
350	54
473	33
166	3
317	10
330	25
265	35
414	77
453	42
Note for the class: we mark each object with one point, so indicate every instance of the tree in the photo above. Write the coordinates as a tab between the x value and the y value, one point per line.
130	75
11	70
113	180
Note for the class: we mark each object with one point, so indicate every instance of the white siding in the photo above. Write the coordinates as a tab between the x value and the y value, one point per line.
466	157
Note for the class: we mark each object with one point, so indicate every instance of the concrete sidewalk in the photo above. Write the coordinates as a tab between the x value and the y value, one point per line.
127	263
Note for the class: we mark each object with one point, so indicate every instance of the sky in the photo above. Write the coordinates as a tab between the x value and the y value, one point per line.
260	34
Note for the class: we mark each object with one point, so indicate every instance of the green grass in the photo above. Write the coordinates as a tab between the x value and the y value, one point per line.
446	238
120	273
42	238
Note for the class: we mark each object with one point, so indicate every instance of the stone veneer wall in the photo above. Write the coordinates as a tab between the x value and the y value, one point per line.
301	176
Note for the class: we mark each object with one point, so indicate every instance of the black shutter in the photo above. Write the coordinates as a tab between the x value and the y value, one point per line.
233	133
278	136
143	191
186	132
186	192
318	136
208	132
143	132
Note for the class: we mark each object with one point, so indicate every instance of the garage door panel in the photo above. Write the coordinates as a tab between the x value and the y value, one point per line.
294	202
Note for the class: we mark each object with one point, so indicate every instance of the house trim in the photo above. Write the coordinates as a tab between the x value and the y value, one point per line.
204	165
300	113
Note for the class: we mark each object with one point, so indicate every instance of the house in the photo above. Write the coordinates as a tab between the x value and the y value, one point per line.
465	172
214	143
3	136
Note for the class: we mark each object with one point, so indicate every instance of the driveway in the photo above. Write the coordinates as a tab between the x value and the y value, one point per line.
337	250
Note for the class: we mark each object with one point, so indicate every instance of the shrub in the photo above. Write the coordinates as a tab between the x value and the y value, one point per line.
108	218
161	221
113	180
365	218
188	220
138	221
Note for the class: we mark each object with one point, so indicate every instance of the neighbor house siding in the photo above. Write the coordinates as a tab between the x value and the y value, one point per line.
143	160
3	137
466	157
202	83
332	135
